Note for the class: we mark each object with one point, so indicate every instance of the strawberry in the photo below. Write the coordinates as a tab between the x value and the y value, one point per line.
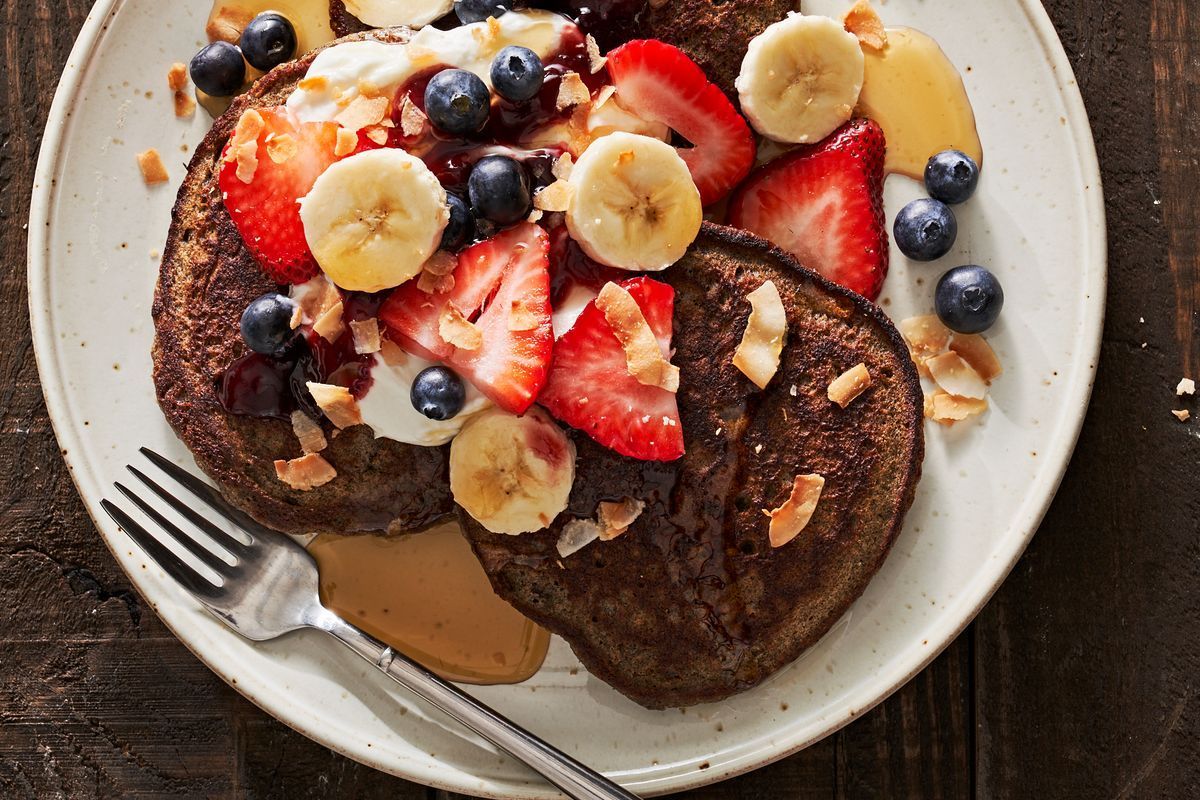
509	270
265	210
590	387
658	82
823	203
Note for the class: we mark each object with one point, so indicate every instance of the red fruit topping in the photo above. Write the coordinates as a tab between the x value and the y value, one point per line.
265	210
508	277
823	203
590	387
658	82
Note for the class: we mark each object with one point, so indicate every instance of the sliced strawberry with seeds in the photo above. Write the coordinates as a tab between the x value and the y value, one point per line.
508	277
658	82
265	209
823	203
590	387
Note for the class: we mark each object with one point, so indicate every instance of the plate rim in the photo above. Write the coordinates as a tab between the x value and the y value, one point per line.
1094	225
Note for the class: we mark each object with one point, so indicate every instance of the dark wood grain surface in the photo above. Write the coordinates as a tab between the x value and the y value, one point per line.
1079	679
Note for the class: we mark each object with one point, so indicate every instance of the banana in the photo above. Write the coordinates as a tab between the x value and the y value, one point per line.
387	13
634	205
800	79
512	474
371	220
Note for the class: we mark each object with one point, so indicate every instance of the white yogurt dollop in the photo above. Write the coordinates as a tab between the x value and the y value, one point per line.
387	66
388	410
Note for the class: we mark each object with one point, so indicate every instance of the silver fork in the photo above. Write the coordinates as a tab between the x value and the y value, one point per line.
272	590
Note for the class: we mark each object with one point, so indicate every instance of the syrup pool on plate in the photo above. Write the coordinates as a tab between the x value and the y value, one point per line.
426	595
915	93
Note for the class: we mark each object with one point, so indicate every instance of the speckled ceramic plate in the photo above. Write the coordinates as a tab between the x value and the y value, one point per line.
94	237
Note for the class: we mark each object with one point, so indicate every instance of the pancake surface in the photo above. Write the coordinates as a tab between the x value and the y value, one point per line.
692	604
206	280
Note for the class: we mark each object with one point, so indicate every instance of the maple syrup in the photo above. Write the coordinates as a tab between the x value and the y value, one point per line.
915	93
428	597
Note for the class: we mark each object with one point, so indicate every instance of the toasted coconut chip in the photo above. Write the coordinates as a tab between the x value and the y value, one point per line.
347	141
308	432
562	167
975	350
955	376
243	145
1185	386
926	336
185	106
596	61
757	355
555	197
305	473
412	119
572	91
314	83
329	325
151	165
576	535
281	148
366	335
392	354
793	516
362	112
440	263
603	96
643	356
615	518
864	23
929	406
315	297
521	317
177	76
337	403
227	24
1182	415
297	317
949	409
535	215
369	89
431	283
846	387
458	330
377	134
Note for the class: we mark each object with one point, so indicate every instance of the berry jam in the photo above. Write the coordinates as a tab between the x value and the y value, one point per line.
570	267
275	386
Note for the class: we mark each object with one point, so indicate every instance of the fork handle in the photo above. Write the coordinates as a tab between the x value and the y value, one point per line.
564	772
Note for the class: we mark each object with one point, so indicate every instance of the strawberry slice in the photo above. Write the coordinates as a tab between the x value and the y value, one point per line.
658	82
590	387
823	203
509	271
265	210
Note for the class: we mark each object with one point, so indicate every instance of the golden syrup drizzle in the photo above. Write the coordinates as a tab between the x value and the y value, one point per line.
428	597
917	96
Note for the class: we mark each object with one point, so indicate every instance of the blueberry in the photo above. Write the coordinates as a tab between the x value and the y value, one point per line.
925	230
461	225
267	323
499	189
268	41
438	393
469	11
951	176
968	299
517	74
218	69
457	102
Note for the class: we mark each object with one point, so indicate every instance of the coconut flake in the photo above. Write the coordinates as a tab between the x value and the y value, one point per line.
305	473
846	387
757	355
956	376
793	516
338	405
308	432
643	355
576	535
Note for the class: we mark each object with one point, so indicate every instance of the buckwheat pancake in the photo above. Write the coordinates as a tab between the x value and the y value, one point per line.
206	280
692	604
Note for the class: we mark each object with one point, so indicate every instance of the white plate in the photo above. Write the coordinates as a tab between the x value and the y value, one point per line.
1038	222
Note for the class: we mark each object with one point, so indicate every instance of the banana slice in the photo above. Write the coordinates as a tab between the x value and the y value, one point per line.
634	204
386	13
512	474
371	220
800	78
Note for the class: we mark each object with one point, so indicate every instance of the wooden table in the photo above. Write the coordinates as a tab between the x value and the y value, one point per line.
1078	680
